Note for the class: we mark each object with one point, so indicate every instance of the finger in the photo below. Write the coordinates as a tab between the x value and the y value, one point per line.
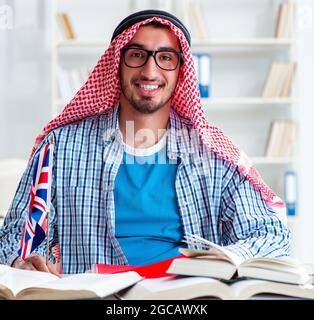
26	266
22	264
52	269
39	263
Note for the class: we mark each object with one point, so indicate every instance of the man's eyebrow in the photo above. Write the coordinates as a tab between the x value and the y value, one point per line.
141	46
134	44
167	49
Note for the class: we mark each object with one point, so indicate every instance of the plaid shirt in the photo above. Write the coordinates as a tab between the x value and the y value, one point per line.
215	201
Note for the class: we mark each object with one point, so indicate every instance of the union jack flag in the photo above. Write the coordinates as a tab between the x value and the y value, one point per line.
35	226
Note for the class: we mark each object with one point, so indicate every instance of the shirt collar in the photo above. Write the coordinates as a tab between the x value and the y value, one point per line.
178	137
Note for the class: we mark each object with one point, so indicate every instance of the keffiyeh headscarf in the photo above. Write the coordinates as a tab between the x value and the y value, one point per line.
101	92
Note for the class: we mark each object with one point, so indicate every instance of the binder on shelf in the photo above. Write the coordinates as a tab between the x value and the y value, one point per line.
202	62
290	191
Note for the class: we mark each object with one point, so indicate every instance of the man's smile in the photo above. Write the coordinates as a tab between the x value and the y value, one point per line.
149	90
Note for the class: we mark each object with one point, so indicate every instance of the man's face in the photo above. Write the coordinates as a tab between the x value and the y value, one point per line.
149	88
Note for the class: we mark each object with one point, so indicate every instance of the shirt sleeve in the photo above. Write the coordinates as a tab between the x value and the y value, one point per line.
249	227
11	231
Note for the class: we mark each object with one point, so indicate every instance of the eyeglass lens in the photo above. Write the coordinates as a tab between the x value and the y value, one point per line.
167	60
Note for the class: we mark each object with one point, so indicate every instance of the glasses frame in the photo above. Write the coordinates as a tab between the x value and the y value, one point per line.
153	53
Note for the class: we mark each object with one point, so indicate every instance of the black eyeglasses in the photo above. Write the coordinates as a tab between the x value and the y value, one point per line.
165	59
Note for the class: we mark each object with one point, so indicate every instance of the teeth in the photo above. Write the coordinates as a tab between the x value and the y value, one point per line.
148	86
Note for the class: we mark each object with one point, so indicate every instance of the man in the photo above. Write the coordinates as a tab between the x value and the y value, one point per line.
136	165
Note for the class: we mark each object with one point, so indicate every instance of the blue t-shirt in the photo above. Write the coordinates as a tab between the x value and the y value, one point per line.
148	224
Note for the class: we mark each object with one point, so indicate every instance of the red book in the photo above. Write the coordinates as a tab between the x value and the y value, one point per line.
154	270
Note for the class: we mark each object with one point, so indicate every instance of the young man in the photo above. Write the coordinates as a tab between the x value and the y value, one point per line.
136	166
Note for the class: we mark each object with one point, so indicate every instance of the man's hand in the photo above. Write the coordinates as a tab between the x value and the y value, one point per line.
35	262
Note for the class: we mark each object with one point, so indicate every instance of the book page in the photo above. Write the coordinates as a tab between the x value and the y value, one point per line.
284	264
176	287
245	289
100	285
213	251
17	279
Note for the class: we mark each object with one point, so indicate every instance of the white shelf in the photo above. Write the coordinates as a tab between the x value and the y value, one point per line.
294	219
272	161
249	101
234	103
218	42
82	43
244	42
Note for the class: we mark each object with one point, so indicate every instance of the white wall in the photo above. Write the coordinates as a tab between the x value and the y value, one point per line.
25	78
305	248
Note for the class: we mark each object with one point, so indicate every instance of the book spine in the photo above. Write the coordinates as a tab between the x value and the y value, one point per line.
205	72
66	26
291	193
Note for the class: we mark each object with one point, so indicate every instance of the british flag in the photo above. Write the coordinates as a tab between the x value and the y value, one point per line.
35	226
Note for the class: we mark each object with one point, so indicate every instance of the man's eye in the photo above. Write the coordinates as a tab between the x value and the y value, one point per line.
166	58
136	54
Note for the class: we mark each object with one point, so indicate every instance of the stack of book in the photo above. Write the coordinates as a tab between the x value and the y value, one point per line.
215	272
210	272
194	20
281	138
279	80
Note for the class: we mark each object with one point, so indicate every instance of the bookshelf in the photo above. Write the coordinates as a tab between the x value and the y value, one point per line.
242	44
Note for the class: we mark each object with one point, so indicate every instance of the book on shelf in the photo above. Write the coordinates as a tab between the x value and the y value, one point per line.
194	20
198	22
66	26
217	262
285	20
279	79
70	81
188	288
281	138
17	284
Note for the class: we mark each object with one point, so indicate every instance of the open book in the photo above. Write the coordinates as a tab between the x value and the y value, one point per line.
188	288
218	262
26	284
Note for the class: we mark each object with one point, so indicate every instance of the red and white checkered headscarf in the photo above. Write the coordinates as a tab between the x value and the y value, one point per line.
101	92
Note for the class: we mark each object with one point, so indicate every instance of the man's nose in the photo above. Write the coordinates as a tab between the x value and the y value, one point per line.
150	67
